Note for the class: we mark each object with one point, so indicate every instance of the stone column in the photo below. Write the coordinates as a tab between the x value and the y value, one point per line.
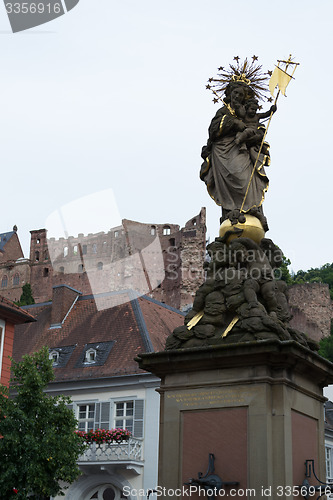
257	406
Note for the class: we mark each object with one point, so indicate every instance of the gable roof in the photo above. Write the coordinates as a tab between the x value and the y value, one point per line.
14	313
134	325
4	238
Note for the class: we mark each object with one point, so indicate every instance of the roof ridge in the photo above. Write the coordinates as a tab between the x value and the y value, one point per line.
142	325
8	232
162	304
38	304
131	293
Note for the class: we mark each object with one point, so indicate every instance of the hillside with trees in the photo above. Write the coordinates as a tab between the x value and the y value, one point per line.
323	274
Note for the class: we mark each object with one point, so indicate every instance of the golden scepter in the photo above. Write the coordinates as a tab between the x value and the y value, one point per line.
281	79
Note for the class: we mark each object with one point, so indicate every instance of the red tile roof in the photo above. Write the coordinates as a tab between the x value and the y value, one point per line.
136	325
160	320
13	313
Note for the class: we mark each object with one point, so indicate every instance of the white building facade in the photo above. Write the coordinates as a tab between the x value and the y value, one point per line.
93	352
118	470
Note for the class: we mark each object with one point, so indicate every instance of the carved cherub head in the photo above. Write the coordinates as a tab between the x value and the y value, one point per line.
251	106
238	252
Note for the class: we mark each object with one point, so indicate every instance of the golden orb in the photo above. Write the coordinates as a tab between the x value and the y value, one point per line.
251	228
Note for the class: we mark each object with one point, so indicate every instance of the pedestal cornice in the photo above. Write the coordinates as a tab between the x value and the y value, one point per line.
276	354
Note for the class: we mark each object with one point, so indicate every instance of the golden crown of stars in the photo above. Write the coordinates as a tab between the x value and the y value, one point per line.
249	73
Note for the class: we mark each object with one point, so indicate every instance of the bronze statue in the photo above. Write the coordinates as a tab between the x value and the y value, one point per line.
253	134
241	299
228	165
236	152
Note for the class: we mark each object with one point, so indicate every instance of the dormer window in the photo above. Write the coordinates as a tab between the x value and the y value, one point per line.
91	356
60	355
95	354
54	356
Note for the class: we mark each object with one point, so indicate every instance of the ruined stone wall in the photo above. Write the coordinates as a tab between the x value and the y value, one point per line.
14	269
193	252
160	260
13	275
11	248
311	307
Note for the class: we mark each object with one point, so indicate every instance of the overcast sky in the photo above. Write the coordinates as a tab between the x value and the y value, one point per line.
111	96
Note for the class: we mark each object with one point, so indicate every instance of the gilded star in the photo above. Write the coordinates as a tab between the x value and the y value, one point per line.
270	73
221	68
269	99
208	86
215	100
210	79
236	58
254	58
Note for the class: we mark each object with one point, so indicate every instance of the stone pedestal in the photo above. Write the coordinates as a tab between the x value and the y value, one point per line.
257	406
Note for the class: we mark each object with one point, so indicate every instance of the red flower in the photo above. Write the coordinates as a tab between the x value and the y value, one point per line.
15	490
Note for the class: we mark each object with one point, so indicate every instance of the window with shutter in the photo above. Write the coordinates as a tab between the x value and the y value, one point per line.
86	417
102	415
138	418
124	411
129	415
328	456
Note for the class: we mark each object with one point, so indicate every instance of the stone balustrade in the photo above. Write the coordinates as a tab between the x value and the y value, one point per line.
125	451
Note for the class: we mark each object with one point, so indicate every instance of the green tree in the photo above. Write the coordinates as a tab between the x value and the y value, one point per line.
326	346
39	446
26	297
323	274
284	272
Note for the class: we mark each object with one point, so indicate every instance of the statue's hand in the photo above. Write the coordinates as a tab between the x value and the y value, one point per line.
240	126
273	108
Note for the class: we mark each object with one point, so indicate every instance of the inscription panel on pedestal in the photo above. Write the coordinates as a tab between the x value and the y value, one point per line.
215	397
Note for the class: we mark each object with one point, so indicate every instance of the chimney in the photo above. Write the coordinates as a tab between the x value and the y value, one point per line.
63	299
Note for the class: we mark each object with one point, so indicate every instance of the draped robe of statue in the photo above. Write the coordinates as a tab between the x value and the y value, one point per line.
227	170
